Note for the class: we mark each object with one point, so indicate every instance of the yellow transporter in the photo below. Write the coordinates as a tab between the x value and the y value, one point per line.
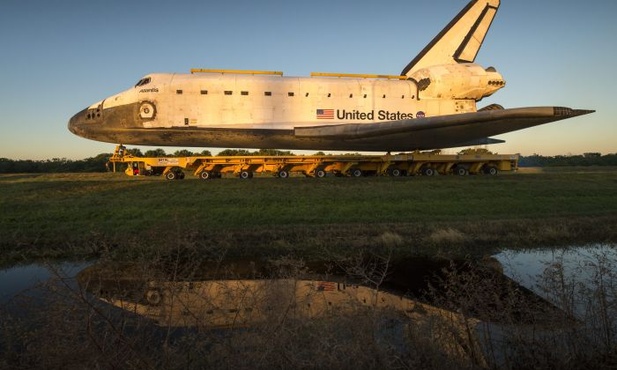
404	164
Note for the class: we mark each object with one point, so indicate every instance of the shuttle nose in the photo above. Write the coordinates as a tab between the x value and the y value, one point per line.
85	122
77	121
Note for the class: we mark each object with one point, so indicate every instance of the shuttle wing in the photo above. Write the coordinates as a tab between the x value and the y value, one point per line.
459	128
460	40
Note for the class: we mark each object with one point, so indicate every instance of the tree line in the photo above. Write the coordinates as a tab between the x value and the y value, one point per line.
99	162
586	159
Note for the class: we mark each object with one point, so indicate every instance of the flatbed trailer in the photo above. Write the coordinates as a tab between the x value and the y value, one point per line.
403	164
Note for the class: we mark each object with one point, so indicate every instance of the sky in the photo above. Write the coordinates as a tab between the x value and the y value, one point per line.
60	56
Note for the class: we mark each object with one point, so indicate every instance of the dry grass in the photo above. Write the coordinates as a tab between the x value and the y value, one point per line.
446	236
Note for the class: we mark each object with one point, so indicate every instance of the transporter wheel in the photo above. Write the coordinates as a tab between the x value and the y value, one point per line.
461	171
153	297
395	172
283	174
171	175
180	175
246	175
428	171
491	170
205	175
320	173
356	172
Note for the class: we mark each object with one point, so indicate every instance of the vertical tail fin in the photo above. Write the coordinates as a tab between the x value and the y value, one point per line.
460	40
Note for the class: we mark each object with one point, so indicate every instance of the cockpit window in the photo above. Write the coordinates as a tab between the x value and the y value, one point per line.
143	81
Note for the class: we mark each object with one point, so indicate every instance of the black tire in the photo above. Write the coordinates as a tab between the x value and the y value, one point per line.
491	170
356	172
171	175
246	175
205	175
320	173
395	172
283	174
428	171
461	171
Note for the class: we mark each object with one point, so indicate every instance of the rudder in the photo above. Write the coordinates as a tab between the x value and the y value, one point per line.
460	40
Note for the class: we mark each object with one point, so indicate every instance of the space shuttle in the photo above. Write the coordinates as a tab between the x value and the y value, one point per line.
431	104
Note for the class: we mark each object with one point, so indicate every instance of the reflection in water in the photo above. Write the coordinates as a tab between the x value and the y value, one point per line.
250	294
282	313
245	292
242	302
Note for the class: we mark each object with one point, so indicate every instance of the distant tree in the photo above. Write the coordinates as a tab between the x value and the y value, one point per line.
7	165
135	152
272	152
206	153
534	160
610	159
183	153
158	152
233	152
57	165
98	163
587	159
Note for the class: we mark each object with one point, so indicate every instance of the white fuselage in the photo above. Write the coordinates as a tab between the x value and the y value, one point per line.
244	101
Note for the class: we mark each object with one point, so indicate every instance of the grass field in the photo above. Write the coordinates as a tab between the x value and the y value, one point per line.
89	215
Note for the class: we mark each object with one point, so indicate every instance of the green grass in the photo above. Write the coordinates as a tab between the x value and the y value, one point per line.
89	214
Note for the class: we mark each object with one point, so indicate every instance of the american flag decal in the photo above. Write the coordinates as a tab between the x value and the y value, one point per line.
325	113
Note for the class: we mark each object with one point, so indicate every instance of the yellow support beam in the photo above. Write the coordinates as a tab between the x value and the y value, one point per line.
236	71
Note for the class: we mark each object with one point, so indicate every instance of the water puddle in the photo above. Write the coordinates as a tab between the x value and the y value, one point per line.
567	277
486	314
30	280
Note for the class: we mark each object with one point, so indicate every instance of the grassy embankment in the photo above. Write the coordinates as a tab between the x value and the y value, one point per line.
89	215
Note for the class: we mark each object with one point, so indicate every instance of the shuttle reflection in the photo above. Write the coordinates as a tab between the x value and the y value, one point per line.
474	304
251	302
243	301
